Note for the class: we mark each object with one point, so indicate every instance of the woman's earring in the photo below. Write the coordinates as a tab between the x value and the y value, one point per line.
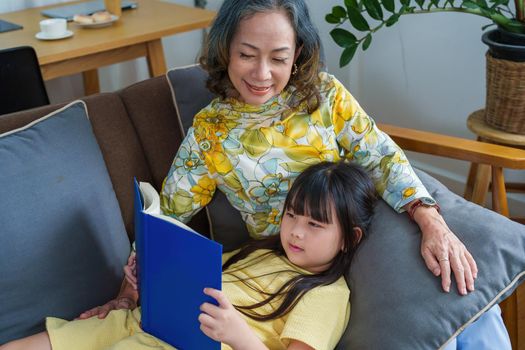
295	69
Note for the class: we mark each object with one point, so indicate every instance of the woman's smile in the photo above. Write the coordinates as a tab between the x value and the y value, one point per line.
258	90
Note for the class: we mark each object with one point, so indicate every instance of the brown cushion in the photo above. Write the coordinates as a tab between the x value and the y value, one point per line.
120	147
151	111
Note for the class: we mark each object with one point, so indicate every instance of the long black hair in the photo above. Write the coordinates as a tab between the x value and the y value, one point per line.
321	188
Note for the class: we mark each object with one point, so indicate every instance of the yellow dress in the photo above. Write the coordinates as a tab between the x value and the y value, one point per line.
254	153
319	319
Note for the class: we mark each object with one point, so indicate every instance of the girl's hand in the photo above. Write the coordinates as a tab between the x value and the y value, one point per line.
115	304
130	270
443	251
224	323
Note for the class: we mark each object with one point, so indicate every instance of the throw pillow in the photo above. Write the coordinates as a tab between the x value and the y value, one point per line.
398	304
62	236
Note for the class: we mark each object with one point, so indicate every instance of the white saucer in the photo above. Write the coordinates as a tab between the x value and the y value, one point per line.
43	36
98	24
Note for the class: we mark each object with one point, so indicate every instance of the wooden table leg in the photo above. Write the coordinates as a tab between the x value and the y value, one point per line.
91	83
155	58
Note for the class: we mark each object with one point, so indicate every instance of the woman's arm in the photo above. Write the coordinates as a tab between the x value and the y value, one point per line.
188	187
399	186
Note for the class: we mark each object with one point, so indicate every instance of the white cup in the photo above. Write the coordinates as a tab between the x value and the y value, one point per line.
53	27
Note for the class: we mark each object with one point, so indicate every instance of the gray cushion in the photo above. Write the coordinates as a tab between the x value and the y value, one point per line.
190	95
396	302
62	237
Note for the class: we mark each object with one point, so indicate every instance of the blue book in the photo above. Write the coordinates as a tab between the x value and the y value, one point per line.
174	265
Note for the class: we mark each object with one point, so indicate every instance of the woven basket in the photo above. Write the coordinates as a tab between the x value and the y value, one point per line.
505	106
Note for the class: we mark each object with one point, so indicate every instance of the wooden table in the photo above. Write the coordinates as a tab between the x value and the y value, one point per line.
136	34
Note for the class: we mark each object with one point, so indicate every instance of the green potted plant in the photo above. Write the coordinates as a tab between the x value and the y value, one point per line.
505	108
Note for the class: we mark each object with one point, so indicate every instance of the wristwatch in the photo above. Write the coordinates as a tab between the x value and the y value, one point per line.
422	202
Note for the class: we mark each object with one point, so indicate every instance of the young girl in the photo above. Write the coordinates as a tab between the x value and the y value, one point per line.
283	292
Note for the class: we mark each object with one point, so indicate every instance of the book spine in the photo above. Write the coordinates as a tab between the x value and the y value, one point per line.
142	266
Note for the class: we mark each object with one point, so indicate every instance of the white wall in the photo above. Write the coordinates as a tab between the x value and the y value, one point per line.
425	72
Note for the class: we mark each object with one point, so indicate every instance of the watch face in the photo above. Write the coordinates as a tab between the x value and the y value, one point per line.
428	201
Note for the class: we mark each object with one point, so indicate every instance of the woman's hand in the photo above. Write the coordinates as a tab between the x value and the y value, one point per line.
443	251
115	304
225	324
130	270
127	298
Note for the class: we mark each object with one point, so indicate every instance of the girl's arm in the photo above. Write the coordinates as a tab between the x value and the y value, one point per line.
225	324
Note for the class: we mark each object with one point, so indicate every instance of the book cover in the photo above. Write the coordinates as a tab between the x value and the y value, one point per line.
174	265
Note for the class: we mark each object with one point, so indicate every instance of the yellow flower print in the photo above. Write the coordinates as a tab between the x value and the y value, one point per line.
297	126
215	125
255	143
360	123
177	204
221	162
277	139
409	192
203	191
274	218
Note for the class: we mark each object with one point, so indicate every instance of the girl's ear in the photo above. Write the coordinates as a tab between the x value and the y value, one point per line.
358	235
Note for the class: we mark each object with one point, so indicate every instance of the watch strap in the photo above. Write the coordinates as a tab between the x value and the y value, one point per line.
418	203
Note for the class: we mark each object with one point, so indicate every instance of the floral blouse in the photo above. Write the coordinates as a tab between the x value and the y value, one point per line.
254	153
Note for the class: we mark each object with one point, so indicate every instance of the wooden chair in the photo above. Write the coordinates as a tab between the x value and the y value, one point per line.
494	158
21	83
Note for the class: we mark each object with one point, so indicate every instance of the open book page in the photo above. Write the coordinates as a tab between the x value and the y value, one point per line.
152	205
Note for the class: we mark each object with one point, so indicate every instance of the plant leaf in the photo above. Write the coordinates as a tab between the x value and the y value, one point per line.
357	20
514	26
347	55
367	42
392	20
330	18
420	3
482	3
389	5
343	37
405	3
339	11
351	4
470	5
373	7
